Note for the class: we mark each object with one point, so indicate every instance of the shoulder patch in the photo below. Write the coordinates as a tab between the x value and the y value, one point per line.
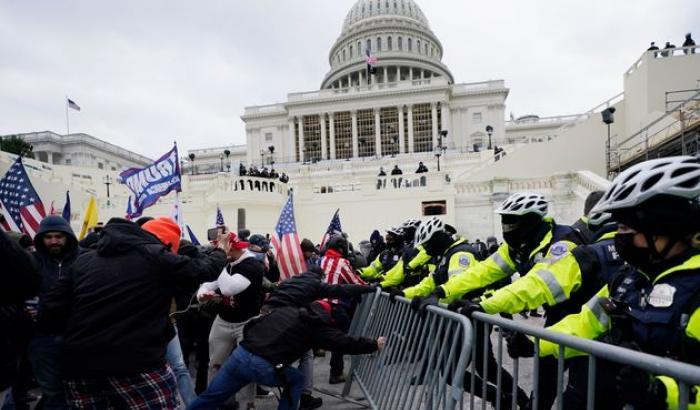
464	260
558	249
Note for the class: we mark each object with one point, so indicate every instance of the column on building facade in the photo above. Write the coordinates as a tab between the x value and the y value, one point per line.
355	153
402	131
386	74
292	151
377	133
410	129
324	145
433	109
362	77
49	157
349	80
301	139
331	129
410	73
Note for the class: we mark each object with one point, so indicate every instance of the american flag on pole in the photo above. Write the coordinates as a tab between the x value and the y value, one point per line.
72	104
21	205
219	217
333	228
286	241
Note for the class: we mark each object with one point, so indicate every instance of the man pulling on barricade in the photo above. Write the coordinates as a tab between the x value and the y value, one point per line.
653	303
387	258
271	343
530	240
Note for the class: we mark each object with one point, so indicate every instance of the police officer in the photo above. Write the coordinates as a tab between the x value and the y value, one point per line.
530	239
387	258
414	260
653	303
581	224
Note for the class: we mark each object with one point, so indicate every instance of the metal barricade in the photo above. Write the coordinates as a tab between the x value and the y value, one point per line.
422	365
685	375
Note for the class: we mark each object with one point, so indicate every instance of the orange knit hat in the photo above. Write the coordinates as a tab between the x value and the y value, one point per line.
166	230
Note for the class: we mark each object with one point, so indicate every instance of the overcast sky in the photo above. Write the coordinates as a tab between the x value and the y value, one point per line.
149	72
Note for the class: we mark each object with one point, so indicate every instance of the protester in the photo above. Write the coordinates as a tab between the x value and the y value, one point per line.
309	250
378	245
667	47
112	307
381	172
21	280
274	341
689	42
421	168
56	251
396	170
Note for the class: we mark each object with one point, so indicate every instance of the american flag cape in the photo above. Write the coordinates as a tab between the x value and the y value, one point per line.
285	239
333	227
21	205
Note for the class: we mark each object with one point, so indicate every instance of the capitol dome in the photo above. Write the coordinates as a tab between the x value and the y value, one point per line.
397	33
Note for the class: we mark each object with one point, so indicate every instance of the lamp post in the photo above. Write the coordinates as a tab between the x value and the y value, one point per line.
489	131
107	180
608	118
221	159
228	163
262	159
191	157
271	148
439	149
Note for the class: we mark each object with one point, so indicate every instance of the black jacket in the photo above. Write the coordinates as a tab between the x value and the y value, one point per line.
303	289
20	280
112	305
282	336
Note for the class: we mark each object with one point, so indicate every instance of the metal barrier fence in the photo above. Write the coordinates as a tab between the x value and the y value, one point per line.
425	364
422	365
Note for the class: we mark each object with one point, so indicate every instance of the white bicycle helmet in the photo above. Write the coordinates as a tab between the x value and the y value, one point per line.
599	218
411	223
427	229
395	230
521	203
674	176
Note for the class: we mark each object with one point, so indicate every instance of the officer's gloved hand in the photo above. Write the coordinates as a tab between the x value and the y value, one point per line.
465	307
373	280
638	388
520	345
415	303
431	300
393	293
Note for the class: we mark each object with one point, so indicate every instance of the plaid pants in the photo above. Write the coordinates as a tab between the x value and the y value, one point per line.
151	390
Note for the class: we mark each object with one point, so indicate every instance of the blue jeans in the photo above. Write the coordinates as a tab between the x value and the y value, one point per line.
173	355
244	367
45	356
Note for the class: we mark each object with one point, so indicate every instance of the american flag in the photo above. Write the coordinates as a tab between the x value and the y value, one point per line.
219	217
333	228
72	104
21	205
286	241
338	270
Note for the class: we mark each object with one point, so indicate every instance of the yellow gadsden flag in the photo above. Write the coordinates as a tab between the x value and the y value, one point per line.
90	219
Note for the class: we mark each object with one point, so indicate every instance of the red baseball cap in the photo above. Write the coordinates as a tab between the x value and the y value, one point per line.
236	243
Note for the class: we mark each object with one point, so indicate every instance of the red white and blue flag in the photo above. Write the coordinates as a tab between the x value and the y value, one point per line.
21	205
72	104
285	239
371	59
219	217
333	228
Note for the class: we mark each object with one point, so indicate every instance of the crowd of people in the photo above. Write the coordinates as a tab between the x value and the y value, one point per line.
254	171
114	320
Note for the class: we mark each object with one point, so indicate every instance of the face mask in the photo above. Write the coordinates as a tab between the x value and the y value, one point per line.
635	256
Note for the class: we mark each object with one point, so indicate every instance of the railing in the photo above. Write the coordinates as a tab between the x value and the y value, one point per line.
682	116
663	53
422	366
256	184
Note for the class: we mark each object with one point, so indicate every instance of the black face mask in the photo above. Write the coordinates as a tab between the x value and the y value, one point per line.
525	237
635	256
438	244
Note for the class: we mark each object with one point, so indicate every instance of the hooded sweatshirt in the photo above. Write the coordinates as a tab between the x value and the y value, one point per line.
113	304
52	267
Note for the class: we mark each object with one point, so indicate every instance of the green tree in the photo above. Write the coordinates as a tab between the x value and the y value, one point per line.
15	144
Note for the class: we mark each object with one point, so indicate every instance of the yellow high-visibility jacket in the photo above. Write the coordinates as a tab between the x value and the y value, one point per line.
396	275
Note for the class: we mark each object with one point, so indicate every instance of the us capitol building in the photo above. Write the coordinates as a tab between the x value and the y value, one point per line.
333	141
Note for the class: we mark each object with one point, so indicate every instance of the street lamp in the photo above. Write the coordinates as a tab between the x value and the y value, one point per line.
228	163
608	118
191	157
262	158
439	149
271	148
107	181
489	131
221	159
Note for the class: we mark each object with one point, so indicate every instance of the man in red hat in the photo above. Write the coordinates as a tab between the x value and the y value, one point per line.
238	296
112	307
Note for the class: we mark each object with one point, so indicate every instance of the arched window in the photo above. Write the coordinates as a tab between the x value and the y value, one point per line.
379	44
418	46
400	43
343	54
389	44
410	42
359	48
369	44
425	49
351	55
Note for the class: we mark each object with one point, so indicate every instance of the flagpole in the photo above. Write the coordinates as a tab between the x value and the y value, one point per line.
67	120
